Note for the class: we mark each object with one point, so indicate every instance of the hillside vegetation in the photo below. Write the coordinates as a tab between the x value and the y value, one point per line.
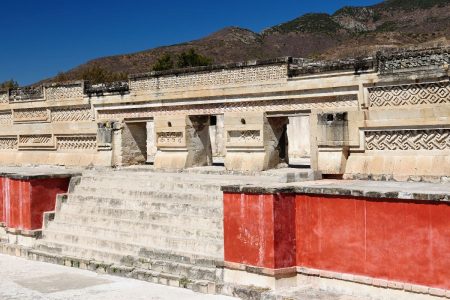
349	32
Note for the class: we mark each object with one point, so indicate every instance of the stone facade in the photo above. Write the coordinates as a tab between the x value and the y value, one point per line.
57	92
205	79
395	104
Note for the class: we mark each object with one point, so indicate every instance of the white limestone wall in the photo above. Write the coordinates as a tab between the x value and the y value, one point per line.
217	136
299	149
151	142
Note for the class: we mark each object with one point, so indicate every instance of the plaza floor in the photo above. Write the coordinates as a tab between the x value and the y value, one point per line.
23	279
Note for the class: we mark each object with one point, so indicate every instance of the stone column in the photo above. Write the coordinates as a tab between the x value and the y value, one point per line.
151	141
252	141
182	141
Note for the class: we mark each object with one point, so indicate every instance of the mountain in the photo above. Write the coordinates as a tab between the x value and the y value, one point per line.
349	32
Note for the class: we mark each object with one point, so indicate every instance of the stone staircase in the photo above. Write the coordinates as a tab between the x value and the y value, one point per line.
163	227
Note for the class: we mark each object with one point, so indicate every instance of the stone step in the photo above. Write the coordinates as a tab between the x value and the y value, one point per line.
191	271
167	179
124	244
180	269
147	205
117	199
154	183
133	224
140	215
198	285
75	250
139	193
181	257
136	232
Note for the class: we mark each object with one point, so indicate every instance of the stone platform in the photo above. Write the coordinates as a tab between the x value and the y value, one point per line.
219	231
386	240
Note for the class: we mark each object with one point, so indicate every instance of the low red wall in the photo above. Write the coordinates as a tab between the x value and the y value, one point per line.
2	197
25	201
260	230
389	239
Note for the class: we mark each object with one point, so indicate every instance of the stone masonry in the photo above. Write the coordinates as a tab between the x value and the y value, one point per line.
396	107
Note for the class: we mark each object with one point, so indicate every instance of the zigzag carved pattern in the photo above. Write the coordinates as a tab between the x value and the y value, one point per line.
416	94
77	142
433	139
71	114
35	139
8	143
31	114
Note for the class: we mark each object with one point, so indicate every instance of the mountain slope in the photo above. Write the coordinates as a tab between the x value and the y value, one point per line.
349	32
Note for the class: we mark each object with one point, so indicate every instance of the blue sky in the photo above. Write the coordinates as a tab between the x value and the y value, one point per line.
41	38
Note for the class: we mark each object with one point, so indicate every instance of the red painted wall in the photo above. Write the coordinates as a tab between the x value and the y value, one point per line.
391	239
259	230
43	198
2	197
25	201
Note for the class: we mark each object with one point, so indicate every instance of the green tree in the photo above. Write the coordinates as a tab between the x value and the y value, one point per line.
97	74
9	84
192	59
61	77
163	63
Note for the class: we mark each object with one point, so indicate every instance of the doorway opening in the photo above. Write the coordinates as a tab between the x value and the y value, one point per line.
134	143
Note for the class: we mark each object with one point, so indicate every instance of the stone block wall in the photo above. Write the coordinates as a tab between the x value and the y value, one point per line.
210	79
134	143
57	92
405	134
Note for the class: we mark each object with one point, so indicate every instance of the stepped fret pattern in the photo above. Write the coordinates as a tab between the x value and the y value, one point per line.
214	109
405	95
435	139
5	118
413	61
71	114
77	142
31	115
211	78
35	139
8	143
64	92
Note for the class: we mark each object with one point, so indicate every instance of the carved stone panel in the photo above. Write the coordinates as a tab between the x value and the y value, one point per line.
76	142
211	78
37	141
170	139
5	118
31	115
72	114
8	142
244	136
58	92
403	140
409	95
331	103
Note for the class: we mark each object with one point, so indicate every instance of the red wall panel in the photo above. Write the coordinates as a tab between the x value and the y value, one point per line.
25	201
259	230
391	239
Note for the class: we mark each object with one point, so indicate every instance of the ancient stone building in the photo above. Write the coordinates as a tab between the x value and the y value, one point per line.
377	122
385	117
